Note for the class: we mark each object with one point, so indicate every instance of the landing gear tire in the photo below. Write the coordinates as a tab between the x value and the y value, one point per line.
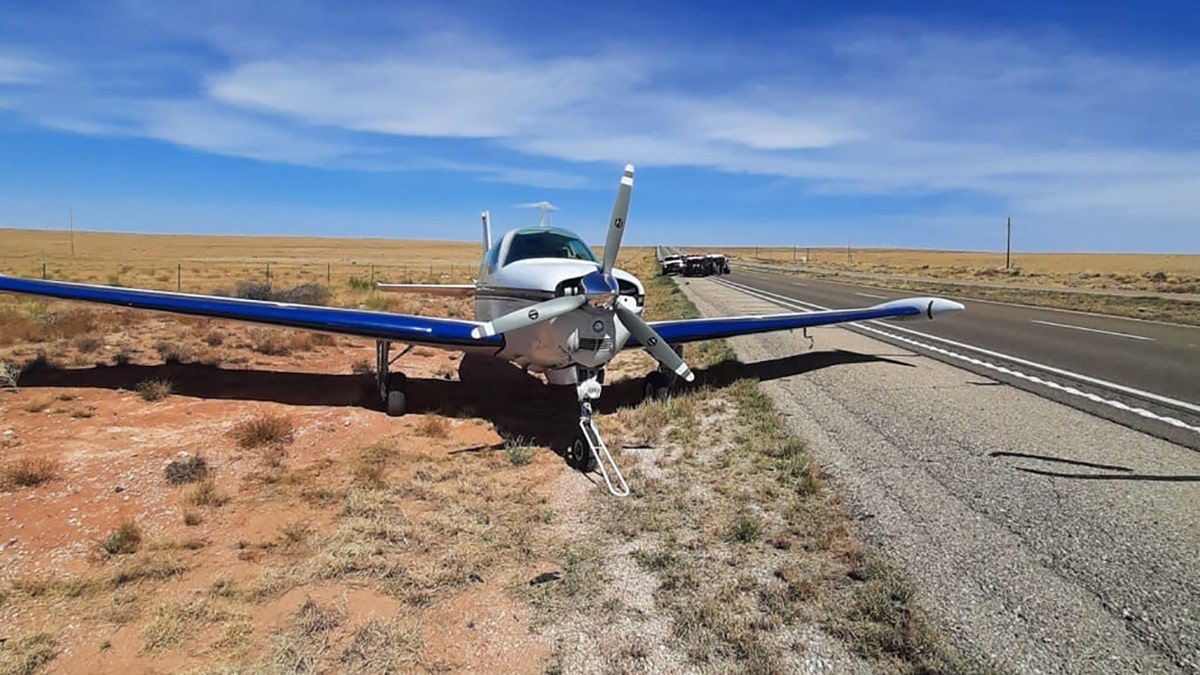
396	401
580	457
656	387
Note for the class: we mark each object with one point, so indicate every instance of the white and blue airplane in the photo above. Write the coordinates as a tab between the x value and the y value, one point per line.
543	301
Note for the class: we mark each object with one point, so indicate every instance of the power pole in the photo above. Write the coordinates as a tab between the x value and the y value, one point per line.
71	221
1008	245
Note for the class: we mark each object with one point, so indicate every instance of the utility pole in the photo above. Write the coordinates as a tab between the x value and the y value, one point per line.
71	221
1008	245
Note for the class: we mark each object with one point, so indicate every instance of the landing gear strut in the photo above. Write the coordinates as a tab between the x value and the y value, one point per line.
391	385
588	451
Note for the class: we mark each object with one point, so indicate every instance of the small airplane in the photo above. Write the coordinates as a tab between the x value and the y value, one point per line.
543	301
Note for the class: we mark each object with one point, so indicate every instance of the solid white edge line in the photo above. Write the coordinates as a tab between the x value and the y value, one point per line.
1091	330
783	300
870	295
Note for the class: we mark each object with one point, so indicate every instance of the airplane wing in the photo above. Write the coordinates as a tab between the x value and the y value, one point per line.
406	328
428	289
691	330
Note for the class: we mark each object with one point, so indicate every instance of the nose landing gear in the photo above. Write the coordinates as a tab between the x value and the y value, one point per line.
588	451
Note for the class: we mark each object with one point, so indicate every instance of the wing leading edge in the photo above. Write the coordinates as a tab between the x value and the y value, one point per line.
423	330
691	330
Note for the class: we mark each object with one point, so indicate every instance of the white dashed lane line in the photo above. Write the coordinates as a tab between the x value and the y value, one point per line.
1092	330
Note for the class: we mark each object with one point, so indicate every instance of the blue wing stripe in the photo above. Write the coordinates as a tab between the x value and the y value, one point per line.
380	325
691	330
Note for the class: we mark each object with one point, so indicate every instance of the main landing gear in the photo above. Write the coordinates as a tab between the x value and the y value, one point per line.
391	385
659	383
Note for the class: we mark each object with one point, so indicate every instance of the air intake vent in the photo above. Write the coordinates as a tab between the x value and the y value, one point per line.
595	344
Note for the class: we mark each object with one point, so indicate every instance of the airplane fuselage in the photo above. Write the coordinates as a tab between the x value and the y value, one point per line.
587	336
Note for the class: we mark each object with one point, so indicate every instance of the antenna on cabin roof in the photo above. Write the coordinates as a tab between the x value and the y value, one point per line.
545	220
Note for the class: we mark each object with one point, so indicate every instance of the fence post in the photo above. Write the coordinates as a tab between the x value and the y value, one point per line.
268	274
179	276
43	270
372	276
328	274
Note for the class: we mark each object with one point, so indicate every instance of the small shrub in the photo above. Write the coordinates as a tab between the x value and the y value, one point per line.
304	294
263	430
215	338
154	389
252	290
86	343
203	493
173	353
746	529
357	284
433	426
124	540
123	358
28	472
189	470
269	341
519	453
192	517
362	367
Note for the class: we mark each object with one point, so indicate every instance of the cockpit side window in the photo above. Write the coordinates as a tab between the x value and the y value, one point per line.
547	244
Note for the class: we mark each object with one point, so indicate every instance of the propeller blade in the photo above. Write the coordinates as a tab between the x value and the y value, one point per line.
543	311
616	223
654	344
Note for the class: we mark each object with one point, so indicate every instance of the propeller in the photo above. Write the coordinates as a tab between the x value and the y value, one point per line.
527	316
599	290
616	223
653	343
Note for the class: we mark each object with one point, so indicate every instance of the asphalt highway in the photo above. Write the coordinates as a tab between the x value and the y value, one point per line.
1143	374
1041	538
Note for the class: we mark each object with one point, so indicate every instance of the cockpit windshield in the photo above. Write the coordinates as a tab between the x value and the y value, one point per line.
547	243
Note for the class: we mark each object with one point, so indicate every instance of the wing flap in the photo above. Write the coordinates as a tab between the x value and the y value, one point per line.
434	332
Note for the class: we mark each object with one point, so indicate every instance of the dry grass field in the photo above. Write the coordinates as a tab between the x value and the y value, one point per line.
181	494
200	264
1160	273
1144	286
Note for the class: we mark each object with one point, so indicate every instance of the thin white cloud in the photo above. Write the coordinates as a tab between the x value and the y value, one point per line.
1033	122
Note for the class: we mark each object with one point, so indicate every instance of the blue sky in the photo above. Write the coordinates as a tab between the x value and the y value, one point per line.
806	123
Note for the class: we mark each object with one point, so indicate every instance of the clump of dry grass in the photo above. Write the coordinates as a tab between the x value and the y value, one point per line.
172	352
203	493
269	341
214	338
362	367
124	540
192	517
519	452
28	472
26	655
433	426
370	466
263	430
154	389
86	343
186	470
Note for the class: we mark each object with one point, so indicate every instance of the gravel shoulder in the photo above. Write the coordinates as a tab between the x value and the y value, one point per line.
1040	537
